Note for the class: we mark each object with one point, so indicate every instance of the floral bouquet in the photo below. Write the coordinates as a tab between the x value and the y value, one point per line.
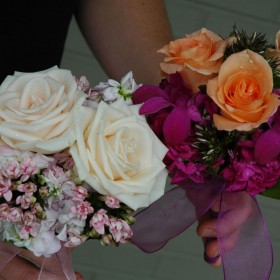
75	164
218	113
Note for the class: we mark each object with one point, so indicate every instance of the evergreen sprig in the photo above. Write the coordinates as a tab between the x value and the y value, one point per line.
214	144
256	42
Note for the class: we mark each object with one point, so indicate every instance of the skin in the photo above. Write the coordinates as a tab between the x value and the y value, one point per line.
124	35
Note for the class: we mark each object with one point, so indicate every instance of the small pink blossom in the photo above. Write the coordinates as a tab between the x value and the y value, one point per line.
29	230
28	168
15	215
4	211
29	218
83	209
11	169
120	230
112	202
5	191
27	187
98	221
74	239
80	193
26	200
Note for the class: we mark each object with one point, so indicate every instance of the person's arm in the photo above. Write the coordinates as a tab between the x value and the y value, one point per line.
124	35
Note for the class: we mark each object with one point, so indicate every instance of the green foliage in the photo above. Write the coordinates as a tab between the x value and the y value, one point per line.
274	192
255	42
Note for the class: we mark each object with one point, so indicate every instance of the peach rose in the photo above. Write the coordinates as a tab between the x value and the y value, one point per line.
36	110
197	57
243	91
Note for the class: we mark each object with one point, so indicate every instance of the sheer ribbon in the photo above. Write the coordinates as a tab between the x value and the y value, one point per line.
59	264
244	242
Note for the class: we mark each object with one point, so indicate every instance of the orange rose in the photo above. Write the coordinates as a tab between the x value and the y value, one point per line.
243	91
197	57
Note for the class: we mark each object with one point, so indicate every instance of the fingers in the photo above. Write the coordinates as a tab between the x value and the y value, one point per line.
212	252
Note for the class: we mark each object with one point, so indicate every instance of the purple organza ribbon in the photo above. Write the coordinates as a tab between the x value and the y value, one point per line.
58	264
244	242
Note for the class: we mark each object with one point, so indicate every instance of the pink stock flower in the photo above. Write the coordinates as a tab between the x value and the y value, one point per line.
74	239
14	215
4	211
112	202
28	168
83	209
11	169
26	200
5	189
27	187
31	229
80	193
99	220
29	217
120	230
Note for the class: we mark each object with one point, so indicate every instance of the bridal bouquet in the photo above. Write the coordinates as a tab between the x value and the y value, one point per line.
217	111
75	162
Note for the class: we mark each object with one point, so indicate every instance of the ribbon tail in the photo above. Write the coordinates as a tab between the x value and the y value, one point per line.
174	212
65	259
245	245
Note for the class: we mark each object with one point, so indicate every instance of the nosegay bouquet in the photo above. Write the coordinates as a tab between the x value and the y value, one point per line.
75	163
217	111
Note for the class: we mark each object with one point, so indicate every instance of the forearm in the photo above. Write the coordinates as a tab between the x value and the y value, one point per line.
125	34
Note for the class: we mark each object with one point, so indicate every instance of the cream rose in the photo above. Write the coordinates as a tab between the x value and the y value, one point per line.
117	153
36	110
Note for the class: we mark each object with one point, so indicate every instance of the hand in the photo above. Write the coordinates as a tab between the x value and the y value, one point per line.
27	267
236	209
207	229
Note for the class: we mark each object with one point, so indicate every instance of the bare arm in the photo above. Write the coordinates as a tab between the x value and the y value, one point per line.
125	34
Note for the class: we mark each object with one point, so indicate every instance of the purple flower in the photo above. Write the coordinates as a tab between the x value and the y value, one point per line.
268	144
184	162
245	174
173	105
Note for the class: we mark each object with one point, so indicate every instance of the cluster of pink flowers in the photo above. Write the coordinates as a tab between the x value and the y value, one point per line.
43	203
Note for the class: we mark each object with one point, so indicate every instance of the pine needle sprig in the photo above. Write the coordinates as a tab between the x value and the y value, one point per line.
214	144
256	42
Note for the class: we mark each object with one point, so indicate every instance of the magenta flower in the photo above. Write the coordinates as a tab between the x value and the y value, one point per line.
184	162
245	174
268	144
173	105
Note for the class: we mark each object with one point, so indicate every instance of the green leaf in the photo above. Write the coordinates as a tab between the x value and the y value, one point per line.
273	192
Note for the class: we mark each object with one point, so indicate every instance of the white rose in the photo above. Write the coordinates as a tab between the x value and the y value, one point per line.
117	153
44	244
36	110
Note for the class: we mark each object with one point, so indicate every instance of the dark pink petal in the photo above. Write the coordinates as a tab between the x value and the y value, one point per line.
177	126
267	146
146	92
153	105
